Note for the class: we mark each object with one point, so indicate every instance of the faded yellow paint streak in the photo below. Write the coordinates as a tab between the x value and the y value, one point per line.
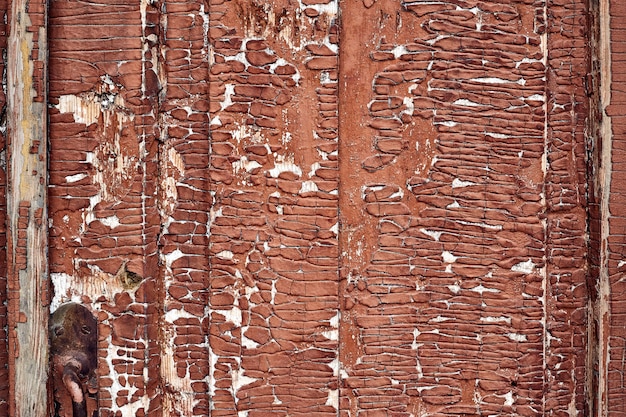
26	123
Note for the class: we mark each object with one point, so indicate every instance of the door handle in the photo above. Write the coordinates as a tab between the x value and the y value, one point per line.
73	333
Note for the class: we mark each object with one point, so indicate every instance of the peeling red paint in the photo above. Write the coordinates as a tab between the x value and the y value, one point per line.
335	208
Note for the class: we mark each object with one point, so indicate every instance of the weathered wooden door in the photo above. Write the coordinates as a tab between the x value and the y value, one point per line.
359	208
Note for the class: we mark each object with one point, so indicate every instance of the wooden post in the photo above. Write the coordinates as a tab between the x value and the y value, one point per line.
27	221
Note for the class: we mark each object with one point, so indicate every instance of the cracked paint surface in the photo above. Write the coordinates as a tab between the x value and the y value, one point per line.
272	219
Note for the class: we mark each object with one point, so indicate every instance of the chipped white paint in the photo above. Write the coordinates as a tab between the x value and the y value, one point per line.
516	337
333	334
498	135
527	60
273	292
448	257
75	178
446	123
496	80
483	225
285	138
280	167
111	221
225	255
243	164
247	342
331	9
68	287
458	183
467	103
280	62
308	187
61	284
229	92
171	257
325	78
115	354
314	168
399	50
481	289
432	233
232	315
86	110
526	267
455	288
239	379
333	399
174	314
492	319
508	399
535	97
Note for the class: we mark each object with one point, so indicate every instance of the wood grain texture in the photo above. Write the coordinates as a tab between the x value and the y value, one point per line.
27	209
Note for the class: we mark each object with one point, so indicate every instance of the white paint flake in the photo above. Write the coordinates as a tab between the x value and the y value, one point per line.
480	289
229	92
467	103
281	167
492	319
174	314
496	80
233	315
239	380
455	288
225	255
75	178
483	225
308	187
247	342
458	183
61	282
516	337
526	267
111	221
535	97
432	233
171	257
333	399
448	257
243	164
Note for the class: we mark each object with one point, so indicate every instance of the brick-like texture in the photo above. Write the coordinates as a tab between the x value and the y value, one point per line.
185	202
565	191
273	282
462	206
616	381
104	221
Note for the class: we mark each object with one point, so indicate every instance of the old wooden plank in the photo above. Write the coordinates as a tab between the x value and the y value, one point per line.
27	209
